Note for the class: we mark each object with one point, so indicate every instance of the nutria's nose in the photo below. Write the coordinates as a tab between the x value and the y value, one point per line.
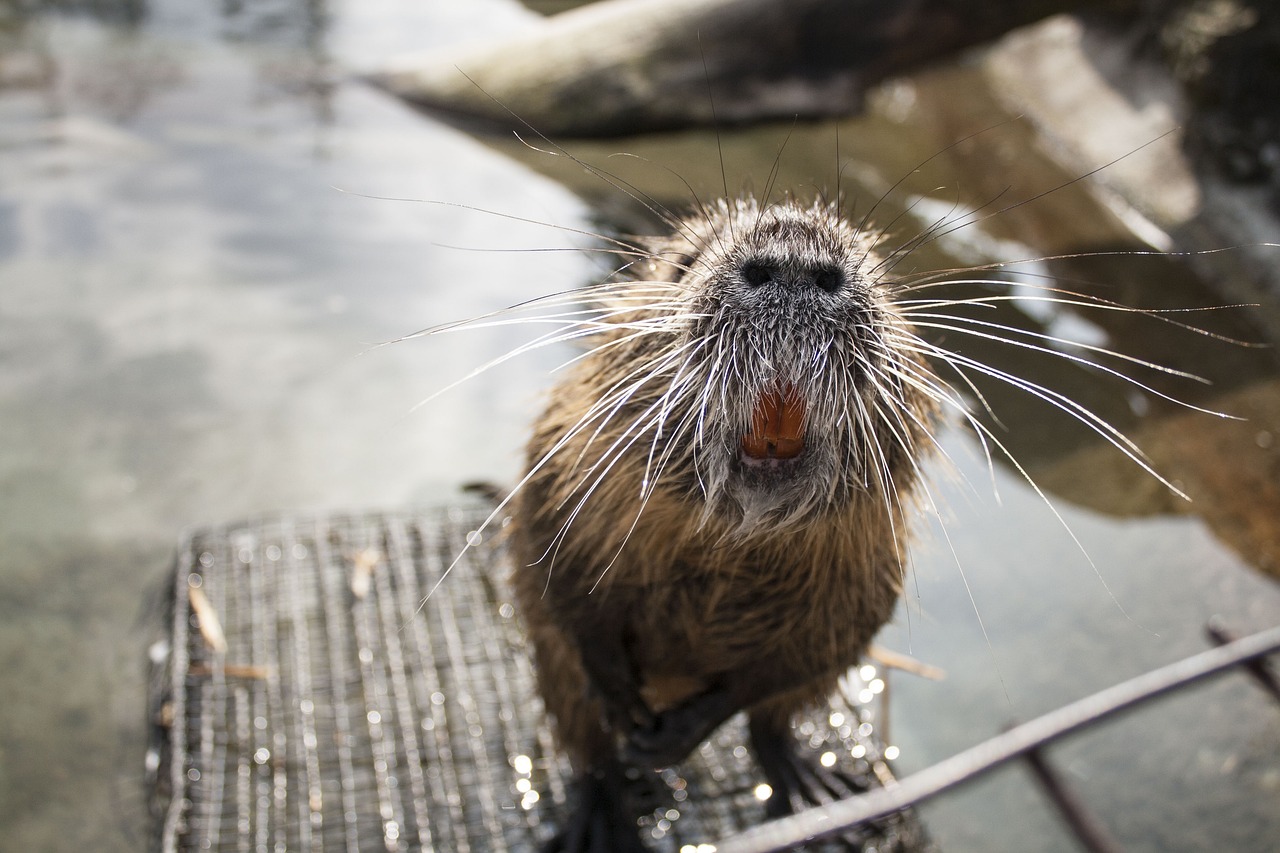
824	278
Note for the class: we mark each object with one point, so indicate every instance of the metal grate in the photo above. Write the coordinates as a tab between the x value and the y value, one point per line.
308	695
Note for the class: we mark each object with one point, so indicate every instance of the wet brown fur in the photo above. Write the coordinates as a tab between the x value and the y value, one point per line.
775	613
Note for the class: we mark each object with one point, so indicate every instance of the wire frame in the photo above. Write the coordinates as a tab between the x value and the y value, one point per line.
359	682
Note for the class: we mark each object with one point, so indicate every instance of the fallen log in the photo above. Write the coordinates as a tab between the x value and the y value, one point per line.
629	66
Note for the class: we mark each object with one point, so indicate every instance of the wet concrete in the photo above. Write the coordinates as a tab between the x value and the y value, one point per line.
187	308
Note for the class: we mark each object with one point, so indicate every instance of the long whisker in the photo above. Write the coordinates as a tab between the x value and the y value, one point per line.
1072	299
614	453
611	290
1047	192
933	386
867	217
618	243
1057	353
565	332
1058	400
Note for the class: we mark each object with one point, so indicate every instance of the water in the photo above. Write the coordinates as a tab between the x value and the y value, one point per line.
185	328
187	308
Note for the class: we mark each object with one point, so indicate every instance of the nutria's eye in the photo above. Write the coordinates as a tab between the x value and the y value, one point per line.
757	274
828	279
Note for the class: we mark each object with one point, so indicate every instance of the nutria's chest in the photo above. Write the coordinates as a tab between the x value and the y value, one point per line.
708	624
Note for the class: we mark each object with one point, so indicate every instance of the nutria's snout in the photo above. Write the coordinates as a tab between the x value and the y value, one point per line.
784	331
779	298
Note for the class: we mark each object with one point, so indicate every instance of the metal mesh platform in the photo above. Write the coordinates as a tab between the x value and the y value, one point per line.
308	695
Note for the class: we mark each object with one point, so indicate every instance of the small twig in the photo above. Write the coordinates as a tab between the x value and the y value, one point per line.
890	659
363	565
207	619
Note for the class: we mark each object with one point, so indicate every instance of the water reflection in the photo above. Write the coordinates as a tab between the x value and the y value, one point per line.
298	24
171	257
122	13
119	70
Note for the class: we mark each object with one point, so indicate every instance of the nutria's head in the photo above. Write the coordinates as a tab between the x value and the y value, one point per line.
799	388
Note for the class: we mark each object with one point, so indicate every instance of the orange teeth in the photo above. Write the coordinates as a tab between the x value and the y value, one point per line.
777	427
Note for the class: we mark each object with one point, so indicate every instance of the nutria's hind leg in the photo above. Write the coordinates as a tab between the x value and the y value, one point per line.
796	783
601	822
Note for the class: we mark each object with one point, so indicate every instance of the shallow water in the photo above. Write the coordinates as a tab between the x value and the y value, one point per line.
187	310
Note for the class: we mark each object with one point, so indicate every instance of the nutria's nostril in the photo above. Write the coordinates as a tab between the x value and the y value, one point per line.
828	279
757	274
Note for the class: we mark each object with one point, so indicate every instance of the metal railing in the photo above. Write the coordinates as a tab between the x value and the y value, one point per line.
1024	741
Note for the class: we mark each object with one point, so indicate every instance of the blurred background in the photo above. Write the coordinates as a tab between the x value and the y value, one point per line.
208	223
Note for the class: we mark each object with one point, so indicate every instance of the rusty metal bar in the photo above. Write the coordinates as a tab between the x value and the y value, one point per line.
1265	675
1086	827
828	820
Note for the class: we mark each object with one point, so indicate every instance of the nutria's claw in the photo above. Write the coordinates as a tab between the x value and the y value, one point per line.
798	784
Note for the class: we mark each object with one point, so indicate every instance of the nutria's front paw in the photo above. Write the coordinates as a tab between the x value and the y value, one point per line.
676	732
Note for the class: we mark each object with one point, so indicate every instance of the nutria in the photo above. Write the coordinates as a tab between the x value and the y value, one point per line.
716	507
